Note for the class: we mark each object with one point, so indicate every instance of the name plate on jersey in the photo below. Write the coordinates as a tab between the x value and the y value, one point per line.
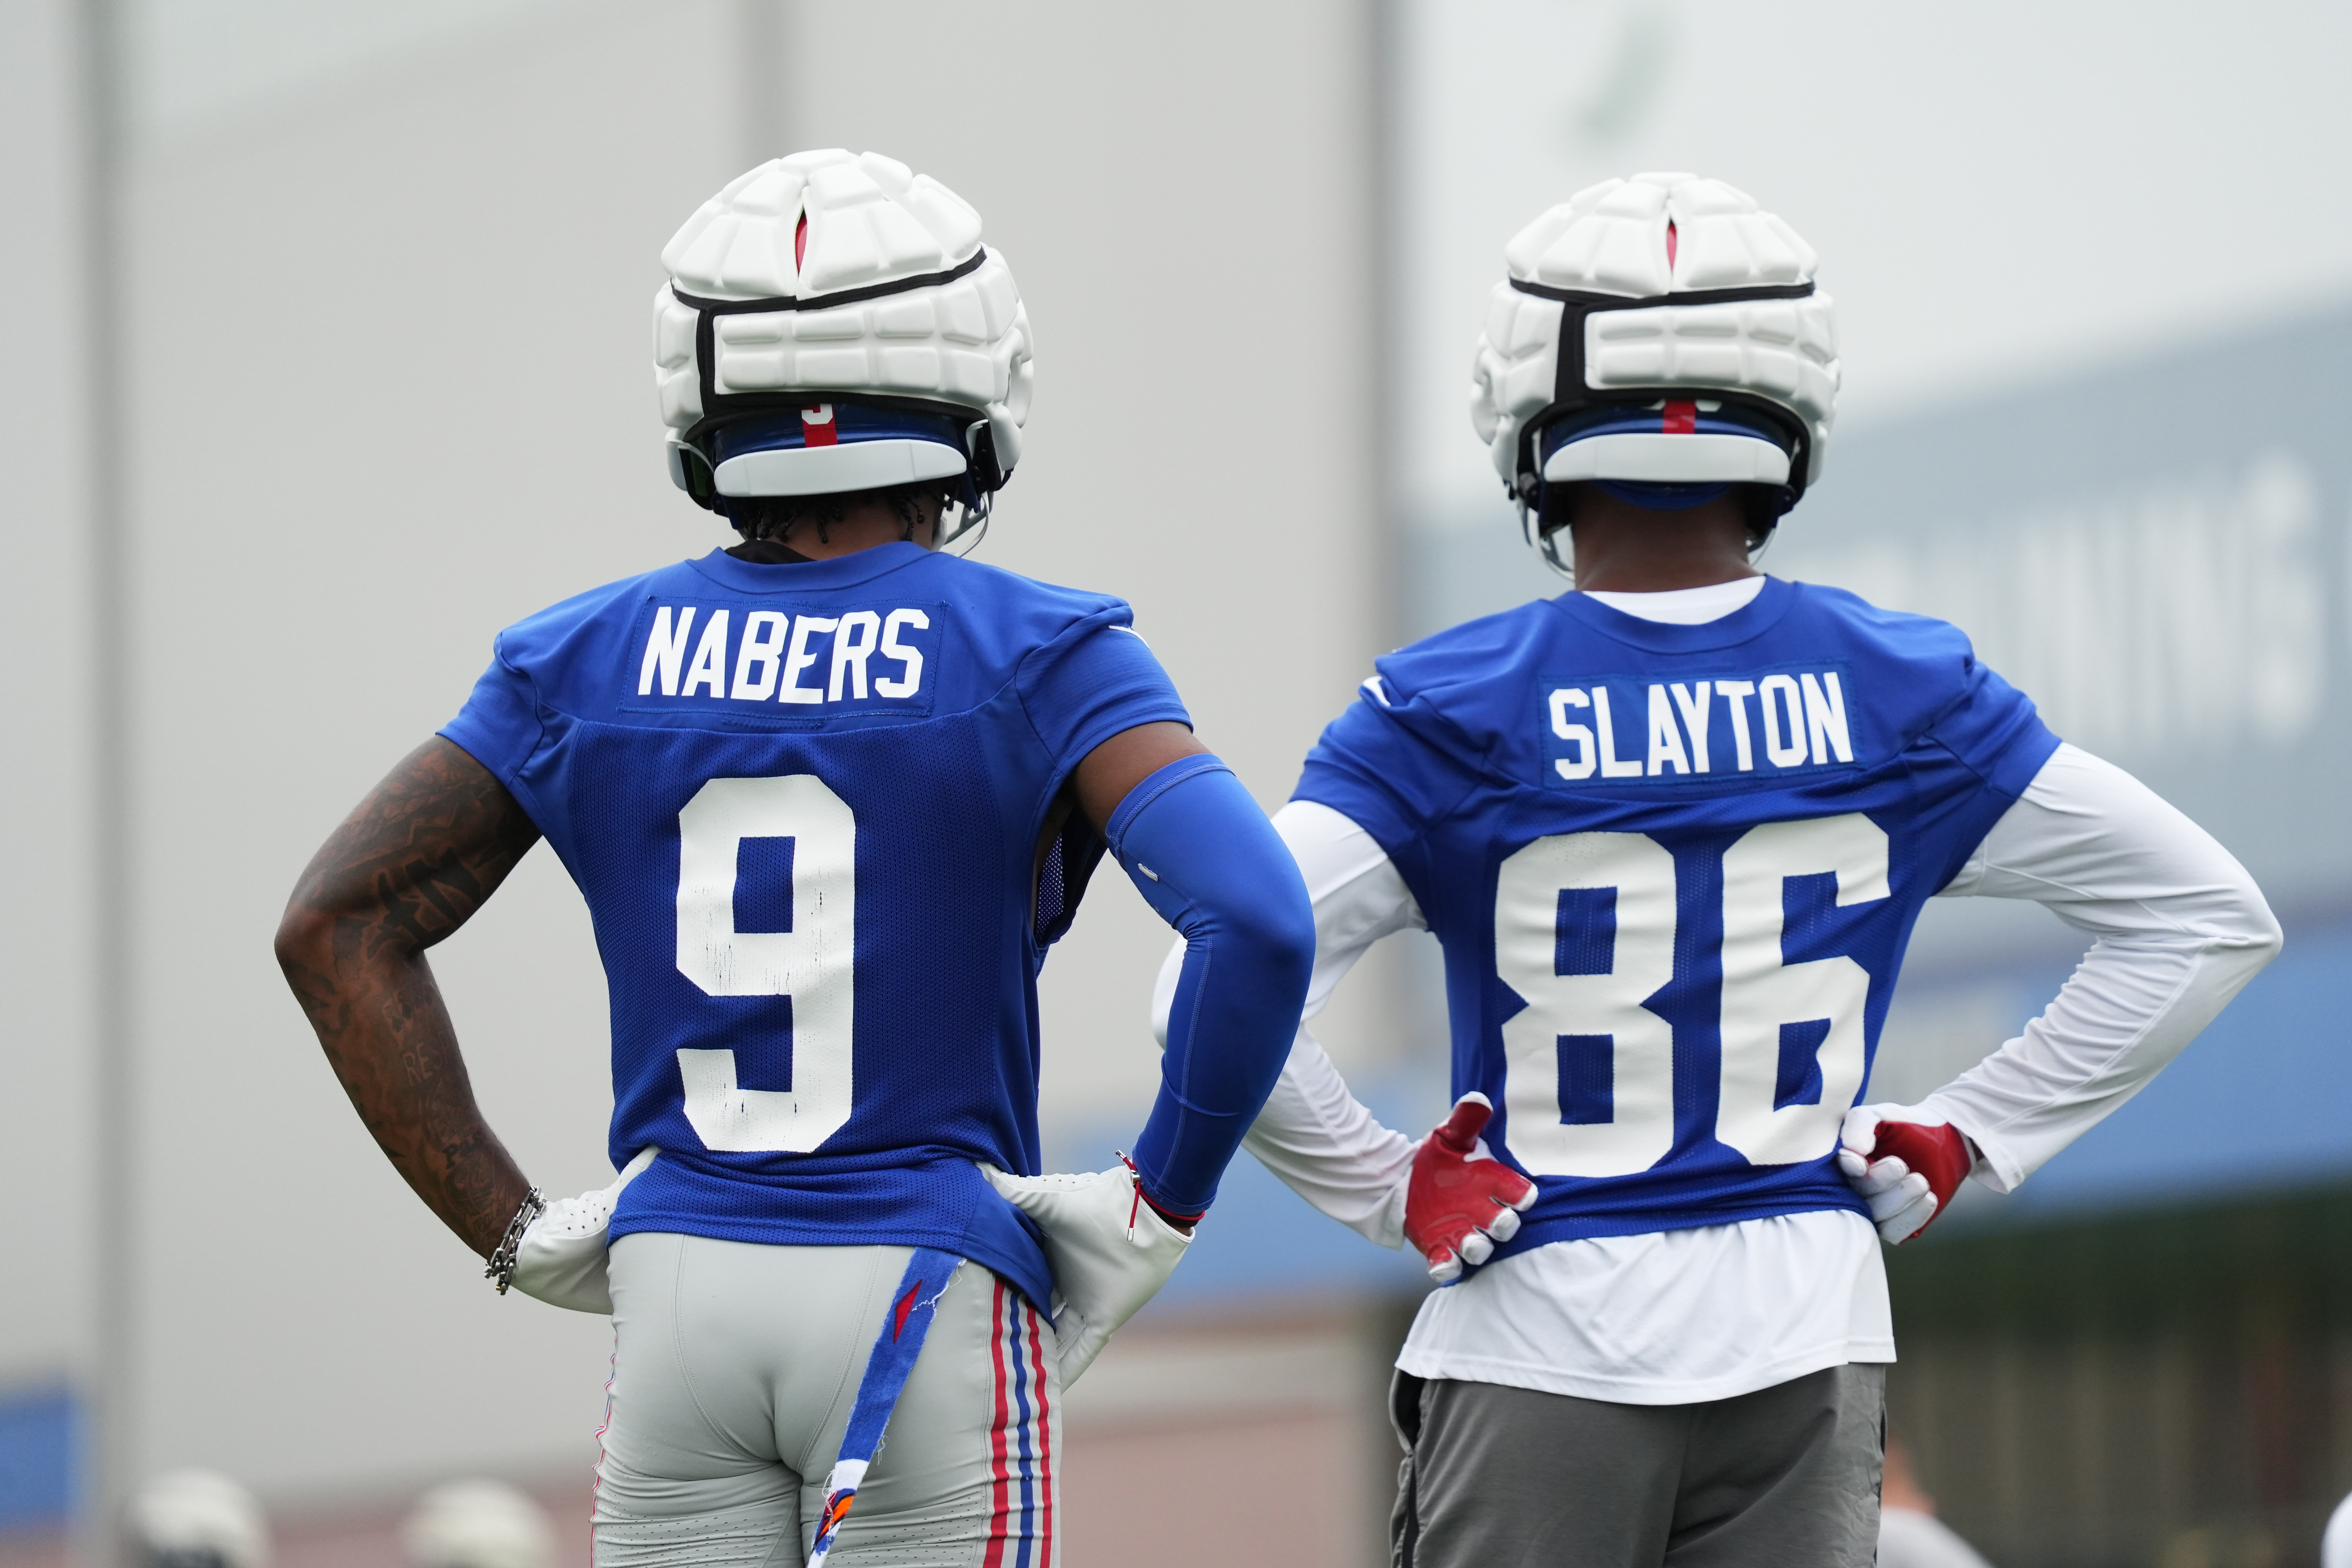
1791	720
772	666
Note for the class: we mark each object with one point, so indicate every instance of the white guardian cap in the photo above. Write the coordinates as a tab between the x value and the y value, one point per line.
200	1519
477	1524
832	322
1658	330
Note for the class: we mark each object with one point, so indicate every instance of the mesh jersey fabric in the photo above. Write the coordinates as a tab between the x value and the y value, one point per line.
803	802
1565	734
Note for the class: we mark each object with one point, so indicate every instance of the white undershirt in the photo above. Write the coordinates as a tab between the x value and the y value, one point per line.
1686	607
1709	1312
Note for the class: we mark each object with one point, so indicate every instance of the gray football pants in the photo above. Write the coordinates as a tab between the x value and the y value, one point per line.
734	1367
1786	1476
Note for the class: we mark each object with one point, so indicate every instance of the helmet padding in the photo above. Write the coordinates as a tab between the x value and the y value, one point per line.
1634	295
848	283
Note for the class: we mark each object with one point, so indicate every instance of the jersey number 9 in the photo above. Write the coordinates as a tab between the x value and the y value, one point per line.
810	961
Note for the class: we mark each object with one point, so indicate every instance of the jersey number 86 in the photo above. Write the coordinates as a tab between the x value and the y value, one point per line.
1760	992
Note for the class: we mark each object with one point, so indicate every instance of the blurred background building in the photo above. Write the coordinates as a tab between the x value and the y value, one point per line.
326	356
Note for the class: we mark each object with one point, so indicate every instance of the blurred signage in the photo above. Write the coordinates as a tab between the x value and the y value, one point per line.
2161	554
37	1439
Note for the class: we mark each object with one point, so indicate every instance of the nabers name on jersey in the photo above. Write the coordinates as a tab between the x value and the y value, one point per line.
775	656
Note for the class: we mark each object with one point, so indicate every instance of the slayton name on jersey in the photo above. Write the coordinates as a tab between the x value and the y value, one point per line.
1771	722
859	660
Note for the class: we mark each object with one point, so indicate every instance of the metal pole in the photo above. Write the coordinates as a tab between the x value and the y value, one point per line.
1381	1324
110	1436
1383	126
760	119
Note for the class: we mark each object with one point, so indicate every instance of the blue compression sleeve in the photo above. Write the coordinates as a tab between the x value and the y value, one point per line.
1202	853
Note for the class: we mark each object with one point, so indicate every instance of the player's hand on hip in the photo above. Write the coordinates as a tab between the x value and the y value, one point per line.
1906	1162
1460	1200
560	1259
1111	1252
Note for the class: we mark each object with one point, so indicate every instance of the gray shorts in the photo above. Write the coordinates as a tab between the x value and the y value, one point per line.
734	1367
1508	1478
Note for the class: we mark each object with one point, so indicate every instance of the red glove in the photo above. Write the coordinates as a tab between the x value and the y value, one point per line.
1461	1199
1906	1170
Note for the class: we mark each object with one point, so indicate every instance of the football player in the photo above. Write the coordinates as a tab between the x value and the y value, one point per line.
1673	830
830	795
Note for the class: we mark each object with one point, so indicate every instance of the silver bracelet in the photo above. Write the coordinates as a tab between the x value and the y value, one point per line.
501	1269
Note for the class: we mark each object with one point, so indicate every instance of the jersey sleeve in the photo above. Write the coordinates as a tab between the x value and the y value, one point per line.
1979	755
499	725
1392	764
1094	680
1996	732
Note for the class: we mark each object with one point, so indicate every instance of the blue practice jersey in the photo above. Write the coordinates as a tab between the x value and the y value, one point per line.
1673	870
805	803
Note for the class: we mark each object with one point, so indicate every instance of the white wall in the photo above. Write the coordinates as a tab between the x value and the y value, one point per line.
385	364
386	316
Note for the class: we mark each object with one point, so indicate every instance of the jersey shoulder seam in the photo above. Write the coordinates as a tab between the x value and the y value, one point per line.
540	706
1103	616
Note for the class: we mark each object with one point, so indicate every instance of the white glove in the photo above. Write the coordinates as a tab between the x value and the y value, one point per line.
1110	1251
561	1259
1906	1162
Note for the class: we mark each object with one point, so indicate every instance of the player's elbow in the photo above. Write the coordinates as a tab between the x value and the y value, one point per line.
307	930
1252	909
303	935
1277	927
2262	937
2240	936
1255	930
1249	954
2241	923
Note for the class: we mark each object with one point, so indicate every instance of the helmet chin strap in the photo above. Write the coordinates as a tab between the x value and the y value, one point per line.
1546	544
971	526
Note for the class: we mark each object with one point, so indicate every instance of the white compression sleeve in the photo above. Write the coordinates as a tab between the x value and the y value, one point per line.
1313	1133
2179	929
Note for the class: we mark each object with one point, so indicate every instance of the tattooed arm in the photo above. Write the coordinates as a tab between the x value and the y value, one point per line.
408	867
